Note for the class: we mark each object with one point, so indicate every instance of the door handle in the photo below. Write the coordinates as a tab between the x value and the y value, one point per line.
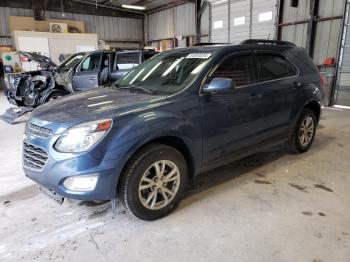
297	85
254	96
93	78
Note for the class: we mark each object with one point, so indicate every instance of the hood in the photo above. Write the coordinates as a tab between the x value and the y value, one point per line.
91	105
43	61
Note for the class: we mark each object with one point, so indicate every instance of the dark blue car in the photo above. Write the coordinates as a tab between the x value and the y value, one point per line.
180	113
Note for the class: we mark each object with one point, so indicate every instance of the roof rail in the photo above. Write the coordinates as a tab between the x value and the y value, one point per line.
266	41
202	44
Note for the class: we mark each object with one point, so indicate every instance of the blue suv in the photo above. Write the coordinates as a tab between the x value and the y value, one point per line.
179	114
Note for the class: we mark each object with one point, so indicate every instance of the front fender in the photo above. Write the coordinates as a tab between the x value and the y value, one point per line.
132	134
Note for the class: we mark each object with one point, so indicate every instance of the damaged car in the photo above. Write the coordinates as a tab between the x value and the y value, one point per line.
33	88
79	72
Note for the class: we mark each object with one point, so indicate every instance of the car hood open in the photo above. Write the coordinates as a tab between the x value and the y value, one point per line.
95	104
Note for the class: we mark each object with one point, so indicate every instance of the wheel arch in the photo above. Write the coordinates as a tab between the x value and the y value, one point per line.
172	141
315	107
47	93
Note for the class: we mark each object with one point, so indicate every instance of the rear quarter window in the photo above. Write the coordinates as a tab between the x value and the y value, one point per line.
274	67
302	59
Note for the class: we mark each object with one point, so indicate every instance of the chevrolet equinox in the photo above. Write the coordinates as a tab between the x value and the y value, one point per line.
181	113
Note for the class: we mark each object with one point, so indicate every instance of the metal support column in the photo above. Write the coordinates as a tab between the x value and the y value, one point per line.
312	26
229	21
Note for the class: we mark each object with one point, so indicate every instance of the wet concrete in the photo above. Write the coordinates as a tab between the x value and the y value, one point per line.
252	210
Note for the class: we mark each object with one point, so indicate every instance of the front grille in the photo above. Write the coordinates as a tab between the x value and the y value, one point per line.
34	157
39	131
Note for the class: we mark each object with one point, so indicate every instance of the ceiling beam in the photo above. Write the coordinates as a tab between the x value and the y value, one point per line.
171	4
70	6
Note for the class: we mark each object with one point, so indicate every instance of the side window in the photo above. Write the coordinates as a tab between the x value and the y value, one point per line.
91	63
238	68
127	60
274	67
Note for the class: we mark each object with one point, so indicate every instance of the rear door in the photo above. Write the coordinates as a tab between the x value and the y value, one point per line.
278	83
124	62
87	72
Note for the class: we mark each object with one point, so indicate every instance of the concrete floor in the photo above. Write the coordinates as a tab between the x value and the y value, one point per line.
271	207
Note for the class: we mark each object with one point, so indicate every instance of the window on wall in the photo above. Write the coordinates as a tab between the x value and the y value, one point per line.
218	24
238	68
266	16
239	20
294	3
274	67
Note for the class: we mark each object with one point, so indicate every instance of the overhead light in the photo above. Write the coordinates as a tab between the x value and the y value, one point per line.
136	7
219	2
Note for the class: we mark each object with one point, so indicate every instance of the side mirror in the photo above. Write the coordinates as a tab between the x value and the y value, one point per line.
219	84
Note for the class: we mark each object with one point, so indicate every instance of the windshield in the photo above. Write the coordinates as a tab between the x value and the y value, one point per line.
165	74
70	61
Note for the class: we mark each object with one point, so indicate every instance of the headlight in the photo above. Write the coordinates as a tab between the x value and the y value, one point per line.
82	137
11	79
81	183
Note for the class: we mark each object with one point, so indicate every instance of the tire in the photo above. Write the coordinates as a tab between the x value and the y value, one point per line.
142	192
55	95
303	135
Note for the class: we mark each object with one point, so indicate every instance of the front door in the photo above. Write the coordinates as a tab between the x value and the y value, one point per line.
229	120
87	73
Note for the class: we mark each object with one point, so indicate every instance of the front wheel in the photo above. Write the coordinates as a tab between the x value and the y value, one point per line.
154	181
304	132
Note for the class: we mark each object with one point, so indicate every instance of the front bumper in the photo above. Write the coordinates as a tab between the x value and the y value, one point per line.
60	166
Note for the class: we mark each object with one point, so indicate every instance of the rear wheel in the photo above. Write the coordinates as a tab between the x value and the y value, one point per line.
154	181
304	132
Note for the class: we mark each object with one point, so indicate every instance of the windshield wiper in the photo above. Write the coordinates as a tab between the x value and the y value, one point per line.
137	89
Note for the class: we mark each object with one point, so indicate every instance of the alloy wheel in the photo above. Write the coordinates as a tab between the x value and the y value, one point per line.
306	131
159	184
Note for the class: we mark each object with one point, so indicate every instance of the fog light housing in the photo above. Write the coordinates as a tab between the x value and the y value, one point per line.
81	183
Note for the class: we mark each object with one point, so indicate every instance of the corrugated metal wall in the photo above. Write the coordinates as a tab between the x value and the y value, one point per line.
205	24
169	23
295	33
107	28
327	38
237	20
342	95
328	33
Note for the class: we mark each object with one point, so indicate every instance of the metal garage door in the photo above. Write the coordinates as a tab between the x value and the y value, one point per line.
264	18
342	95
219	23
237	20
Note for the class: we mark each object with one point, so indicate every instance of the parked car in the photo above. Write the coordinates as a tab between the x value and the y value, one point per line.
175	116
79	72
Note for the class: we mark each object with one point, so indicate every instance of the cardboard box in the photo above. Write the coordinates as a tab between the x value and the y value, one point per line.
24	23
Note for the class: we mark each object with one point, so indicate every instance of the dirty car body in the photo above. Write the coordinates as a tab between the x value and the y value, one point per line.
185	99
